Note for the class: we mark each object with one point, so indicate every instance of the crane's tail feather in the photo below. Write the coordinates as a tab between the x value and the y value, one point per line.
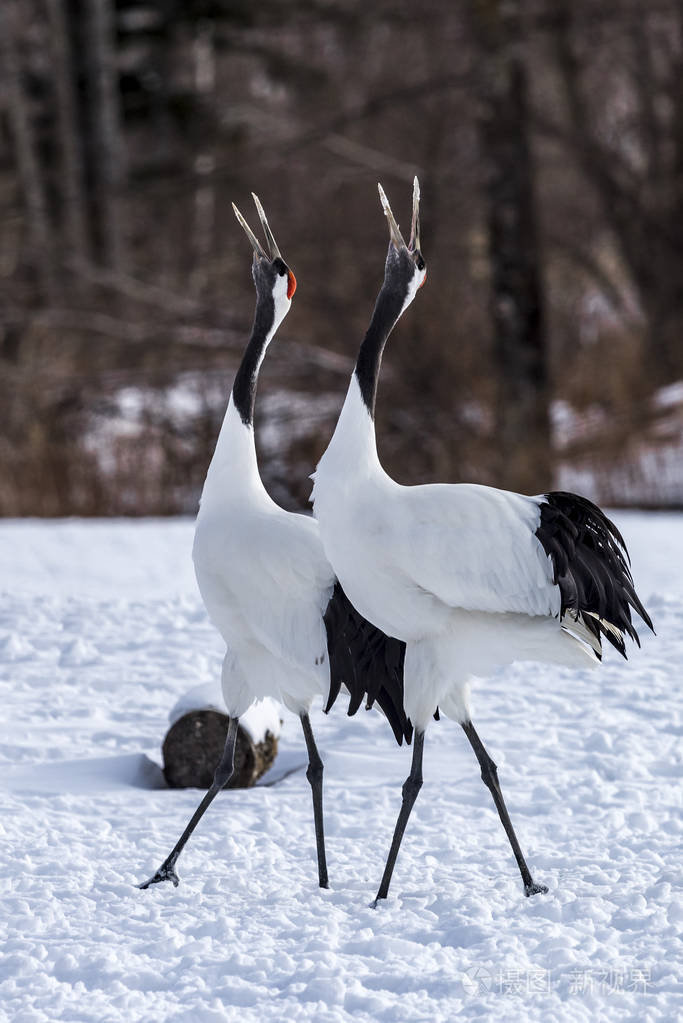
592	568
366	661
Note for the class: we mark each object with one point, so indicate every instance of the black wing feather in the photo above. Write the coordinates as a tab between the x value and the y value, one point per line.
365	660
591	566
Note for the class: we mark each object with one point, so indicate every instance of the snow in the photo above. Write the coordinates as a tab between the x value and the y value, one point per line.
102	631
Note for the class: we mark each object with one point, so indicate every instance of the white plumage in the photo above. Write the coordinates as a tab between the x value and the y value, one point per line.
455	571
264	579
261	570
468	576
266	583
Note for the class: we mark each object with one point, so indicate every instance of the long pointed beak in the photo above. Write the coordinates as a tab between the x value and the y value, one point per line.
255	243
274	251
415	222
394	232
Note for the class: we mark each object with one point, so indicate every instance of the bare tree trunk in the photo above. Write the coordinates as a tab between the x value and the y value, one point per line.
25	148
520	342
71	178
644	212
110	159
204	196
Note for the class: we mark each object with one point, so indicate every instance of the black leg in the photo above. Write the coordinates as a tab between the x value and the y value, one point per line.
314	774
489	775
411	787
222	775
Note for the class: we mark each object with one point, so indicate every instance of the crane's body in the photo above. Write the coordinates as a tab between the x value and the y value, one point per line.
264	580
289	629
469	577
455	571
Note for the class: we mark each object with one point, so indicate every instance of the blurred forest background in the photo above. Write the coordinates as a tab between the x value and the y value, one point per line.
545	347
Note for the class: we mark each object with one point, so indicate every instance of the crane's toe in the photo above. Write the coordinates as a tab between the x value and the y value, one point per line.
165	872
535	889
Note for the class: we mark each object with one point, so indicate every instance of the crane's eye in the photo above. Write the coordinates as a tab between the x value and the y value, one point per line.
420	263
280	267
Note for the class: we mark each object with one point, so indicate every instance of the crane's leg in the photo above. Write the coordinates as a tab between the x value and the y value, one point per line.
314	773
221	777
411	787
489	775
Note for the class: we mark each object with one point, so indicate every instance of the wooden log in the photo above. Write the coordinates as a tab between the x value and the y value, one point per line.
194	744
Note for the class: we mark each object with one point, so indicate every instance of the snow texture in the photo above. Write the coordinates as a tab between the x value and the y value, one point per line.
102	630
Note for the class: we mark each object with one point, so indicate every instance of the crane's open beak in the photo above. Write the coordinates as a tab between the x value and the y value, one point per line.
414	242
255	243
272	244
394	232
259	251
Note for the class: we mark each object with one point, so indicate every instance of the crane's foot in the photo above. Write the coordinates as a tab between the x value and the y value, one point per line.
535	889
166	872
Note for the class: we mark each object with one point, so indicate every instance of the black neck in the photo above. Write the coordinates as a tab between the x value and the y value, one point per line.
387	311
244	387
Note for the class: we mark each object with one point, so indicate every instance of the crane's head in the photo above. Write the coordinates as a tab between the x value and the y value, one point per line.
273	279
405	269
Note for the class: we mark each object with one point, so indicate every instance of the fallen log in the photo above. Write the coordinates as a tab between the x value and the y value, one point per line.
194	743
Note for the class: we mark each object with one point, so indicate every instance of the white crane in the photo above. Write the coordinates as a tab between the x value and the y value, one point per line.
469	577
290	631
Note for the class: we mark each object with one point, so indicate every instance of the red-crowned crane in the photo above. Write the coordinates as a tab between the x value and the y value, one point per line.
290	631
468	577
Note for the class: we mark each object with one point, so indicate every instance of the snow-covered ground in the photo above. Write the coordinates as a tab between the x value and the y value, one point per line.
101	630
